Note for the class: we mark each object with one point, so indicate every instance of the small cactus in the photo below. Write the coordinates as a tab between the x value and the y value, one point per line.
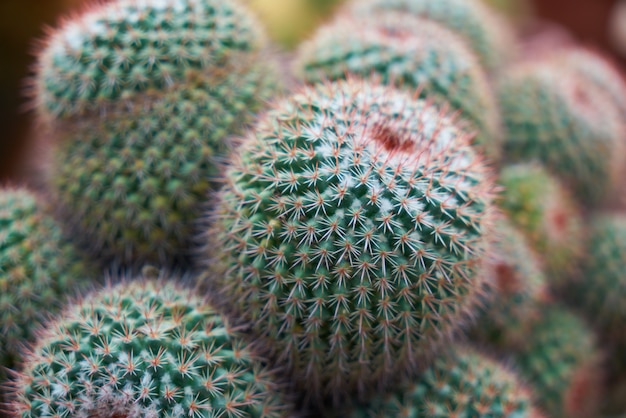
38	268
460	384
351	233
143	349
539	205
485	32
555	117
143	98
410	52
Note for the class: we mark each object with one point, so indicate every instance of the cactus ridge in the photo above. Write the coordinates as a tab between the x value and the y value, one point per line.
352	229
410	52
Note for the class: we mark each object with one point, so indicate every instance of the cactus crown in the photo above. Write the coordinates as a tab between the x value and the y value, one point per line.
352	227
124	47
143	349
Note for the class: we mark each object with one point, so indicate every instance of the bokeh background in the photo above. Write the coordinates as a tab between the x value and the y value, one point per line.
599	23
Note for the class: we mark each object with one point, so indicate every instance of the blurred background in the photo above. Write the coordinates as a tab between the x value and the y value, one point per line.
599	23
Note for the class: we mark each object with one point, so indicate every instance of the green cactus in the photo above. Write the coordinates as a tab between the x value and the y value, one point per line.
485	32
37	270
512	301
351	233
138	149
410	52
562	363
143	349
460	384
556	117
538	204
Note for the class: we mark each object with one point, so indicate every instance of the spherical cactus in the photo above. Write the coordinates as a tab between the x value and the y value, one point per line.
460	384
512	300
37	270
143	349
351	234
556	117
561	362
139	146
483	30
539	205
410	52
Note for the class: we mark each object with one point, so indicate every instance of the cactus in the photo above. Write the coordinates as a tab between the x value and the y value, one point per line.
351	233
463	383
562	363
484	31
139	141
37	270
512	300
543	209
412	53
143	349
554	116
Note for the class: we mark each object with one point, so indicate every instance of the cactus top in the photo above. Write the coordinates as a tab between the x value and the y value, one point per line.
485	32
119	48
351	230
412	53
143	349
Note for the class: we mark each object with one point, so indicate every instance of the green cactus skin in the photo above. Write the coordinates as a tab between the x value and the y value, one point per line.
37	270
484	31
119	49
351	234
143	349
410	52
539	205
463	383
512	299
134	164
553	116
562	363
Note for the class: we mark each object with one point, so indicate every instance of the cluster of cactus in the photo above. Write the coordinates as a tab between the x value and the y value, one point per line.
345	250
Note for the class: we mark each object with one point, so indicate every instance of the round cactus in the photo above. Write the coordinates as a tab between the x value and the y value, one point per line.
484	31
37	269
138	148
351	233
461	384
556	117
143	349
410	52
512	299
561	362
543	209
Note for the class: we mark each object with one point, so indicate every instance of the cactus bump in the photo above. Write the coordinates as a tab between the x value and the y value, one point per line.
143	99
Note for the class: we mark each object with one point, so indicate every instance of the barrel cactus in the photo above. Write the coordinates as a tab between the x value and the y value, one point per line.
539	205
142	99
410	52
350	234
38	269
484	30
554	116
562	363
143	349
463	383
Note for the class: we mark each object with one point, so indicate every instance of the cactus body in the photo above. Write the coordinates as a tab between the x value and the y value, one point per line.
143	349
555	117
139	146
561	362
464	384
483	30
37	270
543	209
512	300
412	53
351	232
